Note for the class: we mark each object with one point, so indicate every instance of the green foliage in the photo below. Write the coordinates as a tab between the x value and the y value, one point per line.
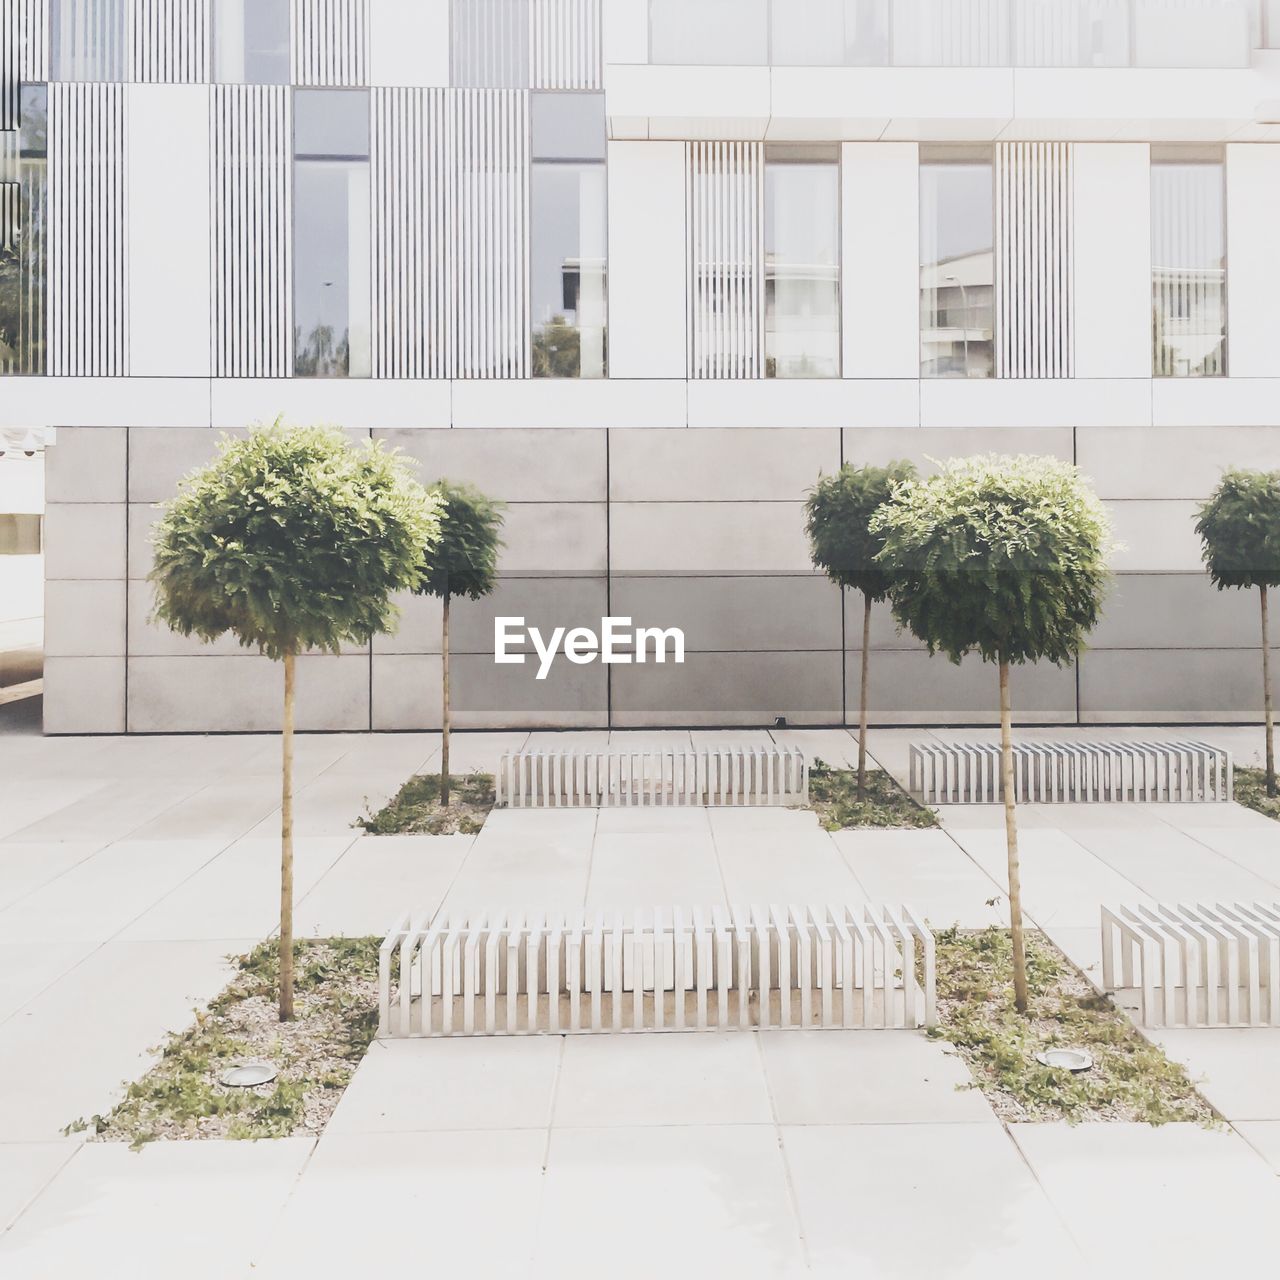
833	795
1240	529
1251	791
292	539
181	1095
416	810
838	522
1131	1078
1005	557
465	560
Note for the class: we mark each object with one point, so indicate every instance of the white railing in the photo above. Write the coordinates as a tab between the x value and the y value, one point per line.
508	972
1072	772
727	776
1195	965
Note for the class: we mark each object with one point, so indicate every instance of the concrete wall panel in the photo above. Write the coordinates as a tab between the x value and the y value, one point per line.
86	464
84	540
708	537
730	689
1176	611
84	619
84	695
719	465
1171	462
1173	686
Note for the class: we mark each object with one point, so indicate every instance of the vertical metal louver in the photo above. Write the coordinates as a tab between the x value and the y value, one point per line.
491	43
10	76
251	149
330	42
1034	260
88	315
171	41
490	233
33	39
450	233
566	40
726	259
410	162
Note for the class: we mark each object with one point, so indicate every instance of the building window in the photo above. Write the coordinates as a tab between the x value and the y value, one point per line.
569	236
332	262
802	263
957	265
251	41
87	39
1188	263
22	237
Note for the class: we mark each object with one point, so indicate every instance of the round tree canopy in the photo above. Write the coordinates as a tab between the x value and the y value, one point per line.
1004	557
465	561
1240	528
838	521
292	539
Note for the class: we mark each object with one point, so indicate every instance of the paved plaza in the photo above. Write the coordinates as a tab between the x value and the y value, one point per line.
130	869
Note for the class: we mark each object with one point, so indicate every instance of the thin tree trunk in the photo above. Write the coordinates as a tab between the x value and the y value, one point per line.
445	711
1267	702
862	698
1011	837
286	847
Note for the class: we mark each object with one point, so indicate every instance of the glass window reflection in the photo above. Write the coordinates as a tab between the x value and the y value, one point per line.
802	269
957	269
251	41
332	263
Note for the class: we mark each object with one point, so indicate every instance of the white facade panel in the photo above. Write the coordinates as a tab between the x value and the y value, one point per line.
626	31
1253	259
409	43
647	283
1039	402
563	402
169	231
805	402
880	259
356	403
1113	260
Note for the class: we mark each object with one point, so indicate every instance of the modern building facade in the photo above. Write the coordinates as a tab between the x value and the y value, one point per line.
643	269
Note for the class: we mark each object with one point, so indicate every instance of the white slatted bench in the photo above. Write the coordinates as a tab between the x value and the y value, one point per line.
1066	772
1195	965
712	776
511	972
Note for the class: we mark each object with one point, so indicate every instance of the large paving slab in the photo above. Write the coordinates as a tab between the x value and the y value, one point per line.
386	1204
27	867
473	1084
194	1209
924	1200
638	1202
1238	1067
69	1051
1178	1200
26	1168
868	1077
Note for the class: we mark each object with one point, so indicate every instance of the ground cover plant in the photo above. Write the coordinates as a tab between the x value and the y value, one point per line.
416	809
1132	1079
834	797
336	1008
1251	791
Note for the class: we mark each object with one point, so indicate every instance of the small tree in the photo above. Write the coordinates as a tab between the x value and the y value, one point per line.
841	543
1005	558
291	540
1240	528
464	563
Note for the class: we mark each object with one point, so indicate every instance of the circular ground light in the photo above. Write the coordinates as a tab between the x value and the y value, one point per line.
1073	1059
249	1074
